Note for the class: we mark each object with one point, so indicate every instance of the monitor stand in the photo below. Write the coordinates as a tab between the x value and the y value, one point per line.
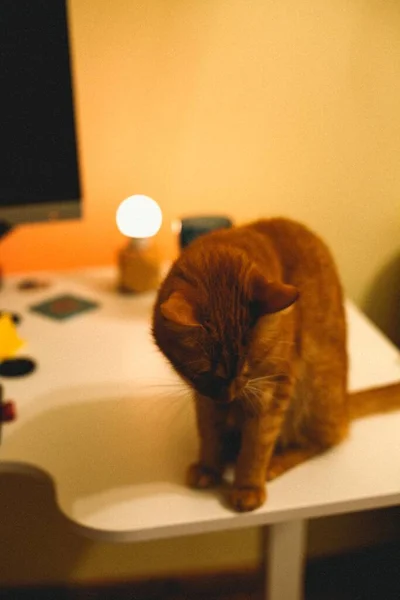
5	228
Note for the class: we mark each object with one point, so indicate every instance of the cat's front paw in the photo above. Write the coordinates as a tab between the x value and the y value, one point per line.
202	477
244	499
276	468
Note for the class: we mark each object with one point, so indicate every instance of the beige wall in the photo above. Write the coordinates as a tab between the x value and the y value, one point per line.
248	107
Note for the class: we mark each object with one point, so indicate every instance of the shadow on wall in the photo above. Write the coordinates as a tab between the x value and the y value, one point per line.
382	300
37	545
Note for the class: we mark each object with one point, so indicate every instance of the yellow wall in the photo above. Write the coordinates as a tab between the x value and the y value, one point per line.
248	107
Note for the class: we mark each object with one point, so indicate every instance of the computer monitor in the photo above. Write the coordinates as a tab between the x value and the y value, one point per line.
39	170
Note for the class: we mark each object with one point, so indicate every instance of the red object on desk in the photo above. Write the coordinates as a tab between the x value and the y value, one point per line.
8	412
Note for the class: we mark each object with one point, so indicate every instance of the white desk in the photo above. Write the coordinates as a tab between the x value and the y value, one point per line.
100	418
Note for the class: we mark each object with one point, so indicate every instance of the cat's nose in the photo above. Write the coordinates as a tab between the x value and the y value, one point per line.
225	397
233	390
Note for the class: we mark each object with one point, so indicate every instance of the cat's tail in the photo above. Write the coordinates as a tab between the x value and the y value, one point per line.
375	400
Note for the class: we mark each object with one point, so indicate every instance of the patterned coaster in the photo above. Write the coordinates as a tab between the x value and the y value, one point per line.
63	307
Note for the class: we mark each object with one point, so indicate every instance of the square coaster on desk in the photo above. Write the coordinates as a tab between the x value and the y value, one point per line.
63	307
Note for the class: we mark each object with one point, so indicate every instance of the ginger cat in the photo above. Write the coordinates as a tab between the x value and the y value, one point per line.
252	318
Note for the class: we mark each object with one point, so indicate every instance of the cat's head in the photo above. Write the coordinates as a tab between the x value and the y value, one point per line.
216	323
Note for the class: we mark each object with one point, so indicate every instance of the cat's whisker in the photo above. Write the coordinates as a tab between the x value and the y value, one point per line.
166	396
257	406
265	379
253	391
173	394
167	392
251	403
157	381
251	407
184	411
262	378
175	386
144	382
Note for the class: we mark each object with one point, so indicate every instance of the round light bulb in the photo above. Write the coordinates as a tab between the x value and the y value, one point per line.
139	217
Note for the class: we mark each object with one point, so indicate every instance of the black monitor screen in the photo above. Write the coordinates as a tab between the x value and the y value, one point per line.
39	176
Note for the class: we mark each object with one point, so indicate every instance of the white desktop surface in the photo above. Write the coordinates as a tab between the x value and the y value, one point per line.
102	418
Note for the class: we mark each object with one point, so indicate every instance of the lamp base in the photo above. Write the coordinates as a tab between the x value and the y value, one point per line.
139	267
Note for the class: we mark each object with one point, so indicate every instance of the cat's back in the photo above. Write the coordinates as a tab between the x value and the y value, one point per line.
308	264
306	260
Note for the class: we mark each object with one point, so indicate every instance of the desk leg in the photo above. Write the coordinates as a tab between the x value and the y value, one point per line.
284	557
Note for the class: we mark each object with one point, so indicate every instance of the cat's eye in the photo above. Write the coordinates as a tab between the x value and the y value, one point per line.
203	372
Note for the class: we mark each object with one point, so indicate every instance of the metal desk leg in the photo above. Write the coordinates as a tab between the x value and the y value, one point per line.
284	554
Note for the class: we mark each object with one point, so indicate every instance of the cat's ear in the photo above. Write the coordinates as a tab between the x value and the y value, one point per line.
272	296
178	310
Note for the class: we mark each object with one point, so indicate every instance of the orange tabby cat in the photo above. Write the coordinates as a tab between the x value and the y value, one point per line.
252	318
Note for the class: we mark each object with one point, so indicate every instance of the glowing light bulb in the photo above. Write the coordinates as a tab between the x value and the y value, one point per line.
139	217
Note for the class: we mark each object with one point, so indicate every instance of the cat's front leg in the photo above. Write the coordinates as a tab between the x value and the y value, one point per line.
259	435
211	419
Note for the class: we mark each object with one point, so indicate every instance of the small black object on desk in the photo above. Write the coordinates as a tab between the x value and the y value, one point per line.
193	227
16	367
